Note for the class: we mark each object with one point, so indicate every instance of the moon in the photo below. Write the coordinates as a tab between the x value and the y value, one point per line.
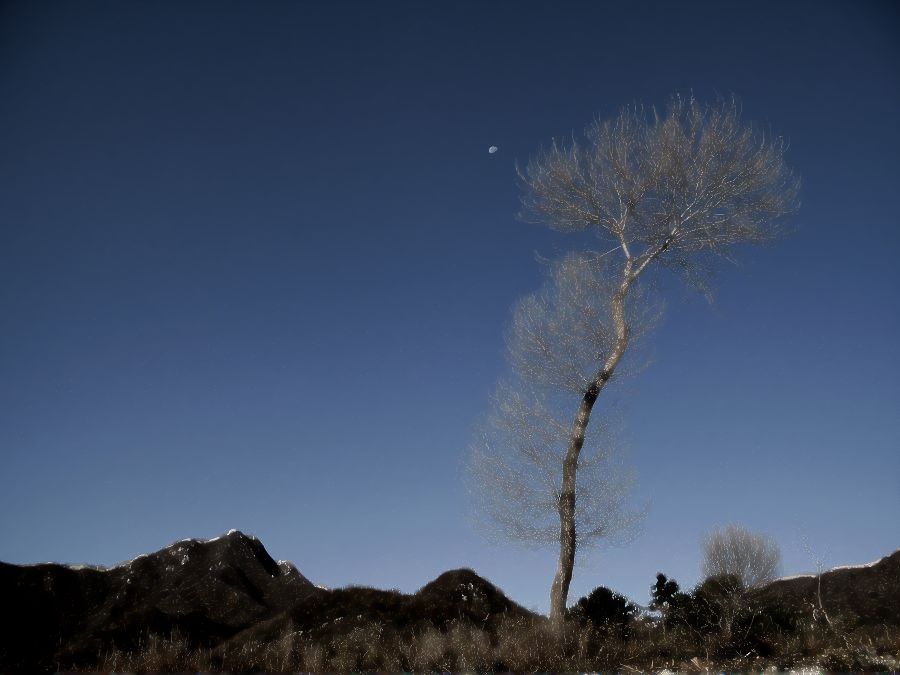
493	149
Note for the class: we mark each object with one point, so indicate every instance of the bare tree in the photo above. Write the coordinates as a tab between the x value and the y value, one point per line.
676	190
556	336
753	558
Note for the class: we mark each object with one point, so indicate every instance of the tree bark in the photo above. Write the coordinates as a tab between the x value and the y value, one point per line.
559	591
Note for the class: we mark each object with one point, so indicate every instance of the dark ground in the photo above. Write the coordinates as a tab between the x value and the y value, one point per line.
226	604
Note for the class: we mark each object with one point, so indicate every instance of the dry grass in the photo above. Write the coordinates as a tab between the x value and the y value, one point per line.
520	645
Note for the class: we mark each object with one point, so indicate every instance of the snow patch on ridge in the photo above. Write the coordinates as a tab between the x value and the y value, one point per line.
180	550
127	563
868	564
795	576
839	567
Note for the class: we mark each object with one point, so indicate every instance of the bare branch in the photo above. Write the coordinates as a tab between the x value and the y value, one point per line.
694	180
515	482
560	335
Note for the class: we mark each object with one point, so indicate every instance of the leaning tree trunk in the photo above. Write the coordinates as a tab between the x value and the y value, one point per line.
559	591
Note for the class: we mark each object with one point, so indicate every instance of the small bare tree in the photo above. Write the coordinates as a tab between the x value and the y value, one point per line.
754	559
676	190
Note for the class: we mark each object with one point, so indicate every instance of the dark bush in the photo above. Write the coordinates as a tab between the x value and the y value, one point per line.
676	606
720	587
604	608
663	592
713	606
762	628
725	621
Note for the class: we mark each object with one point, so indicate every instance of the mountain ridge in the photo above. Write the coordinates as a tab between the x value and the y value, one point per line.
865	594
225	592
208	591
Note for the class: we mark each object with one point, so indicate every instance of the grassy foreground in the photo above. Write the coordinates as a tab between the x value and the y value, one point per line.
523	645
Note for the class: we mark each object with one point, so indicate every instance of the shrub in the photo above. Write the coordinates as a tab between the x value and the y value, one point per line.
604	608
663	592
735	551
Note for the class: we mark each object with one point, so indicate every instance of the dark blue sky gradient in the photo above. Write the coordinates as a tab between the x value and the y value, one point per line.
256	264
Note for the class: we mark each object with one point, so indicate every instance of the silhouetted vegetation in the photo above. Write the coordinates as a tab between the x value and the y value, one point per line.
524	644
716	625
226	605
606	609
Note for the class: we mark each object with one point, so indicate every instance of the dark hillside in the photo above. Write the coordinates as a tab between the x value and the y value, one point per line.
462	594
455	596
214	593
222	603
206	590
865	595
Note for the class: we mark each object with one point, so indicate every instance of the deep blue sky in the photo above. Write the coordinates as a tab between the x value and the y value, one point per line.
256	263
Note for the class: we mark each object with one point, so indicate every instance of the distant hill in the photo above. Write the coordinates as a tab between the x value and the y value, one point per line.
207	590
863	594
213	593
228	592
